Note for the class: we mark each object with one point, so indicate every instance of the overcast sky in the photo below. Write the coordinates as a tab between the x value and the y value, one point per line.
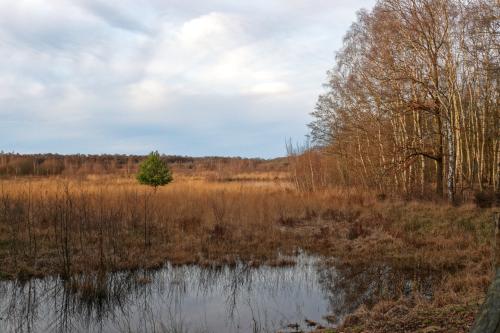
232	78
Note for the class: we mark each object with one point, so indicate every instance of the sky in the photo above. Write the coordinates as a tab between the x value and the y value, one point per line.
184	77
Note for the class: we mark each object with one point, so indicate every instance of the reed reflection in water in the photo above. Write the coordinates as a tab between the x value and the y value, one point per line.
191	299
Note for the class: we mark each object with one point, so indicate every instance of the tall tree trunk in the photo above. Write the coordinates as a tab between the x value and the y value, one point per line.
450	181
440	159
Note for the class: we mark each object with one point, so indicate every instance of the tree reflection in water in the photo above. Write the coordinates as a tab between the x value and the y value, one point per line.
196	299
349	286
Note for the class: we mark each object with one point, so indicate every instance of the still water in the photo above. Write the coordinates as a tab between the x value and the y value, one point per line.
191	298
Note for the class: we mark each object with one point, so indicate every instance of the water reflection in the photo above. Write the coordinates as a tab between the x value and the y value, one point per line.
191	299
347	287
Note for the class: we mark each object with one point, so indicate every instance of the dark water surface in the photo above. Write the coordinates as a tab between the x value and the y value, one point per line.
193	299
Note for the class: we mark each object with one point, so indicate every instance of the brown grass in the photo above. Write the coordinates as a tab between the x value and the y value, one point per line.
96	224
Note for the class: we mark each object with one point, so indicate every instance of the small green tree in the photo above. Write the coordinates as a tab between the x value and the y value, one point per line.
154	172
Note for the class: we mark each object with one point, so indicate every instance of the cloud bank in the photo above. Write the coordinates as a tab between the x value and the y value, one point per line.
184	77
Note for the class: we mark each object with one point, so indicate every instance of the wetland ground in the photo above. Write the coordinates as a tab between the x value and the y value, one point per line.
436	257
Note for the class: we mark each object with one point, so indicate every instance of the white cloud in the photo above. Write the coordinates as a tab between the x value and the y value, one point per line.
212	31
270	88
13	88
149	94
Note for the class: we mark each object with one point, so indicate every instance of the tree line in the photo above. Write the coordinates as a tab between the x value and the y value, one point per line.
12	164
412	103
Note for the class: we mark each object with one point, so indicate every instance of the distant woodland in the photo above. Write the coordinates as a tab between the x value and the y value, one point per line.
412	103
12	164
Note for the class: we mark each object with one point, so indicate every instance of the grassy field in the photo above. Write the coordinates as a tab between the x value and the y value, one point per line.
101	224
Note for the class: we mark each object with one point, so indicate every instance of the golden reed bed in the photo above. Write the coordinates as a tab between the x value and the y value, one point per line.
102	224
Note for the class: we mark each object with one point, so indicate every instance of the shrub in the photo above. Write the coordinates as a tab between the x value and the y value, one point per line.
484	199
357	230
153	171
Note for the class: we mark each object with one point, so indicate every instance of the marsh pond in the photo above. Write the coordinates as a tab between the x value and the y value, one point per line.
311	293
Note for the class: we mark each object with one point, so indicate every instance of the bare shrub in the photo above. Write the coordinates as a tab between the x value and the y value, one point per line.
485	199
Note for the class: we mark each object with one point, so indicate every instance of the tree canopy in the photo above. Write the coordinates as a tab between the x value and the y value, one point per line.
153	171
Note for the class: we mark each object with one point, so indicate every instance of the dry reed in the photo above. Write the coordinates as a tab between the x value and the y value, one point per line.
97	225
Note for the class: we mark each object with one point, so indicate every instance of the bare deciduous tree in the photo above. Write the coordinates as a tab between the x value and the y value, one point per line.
413	98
